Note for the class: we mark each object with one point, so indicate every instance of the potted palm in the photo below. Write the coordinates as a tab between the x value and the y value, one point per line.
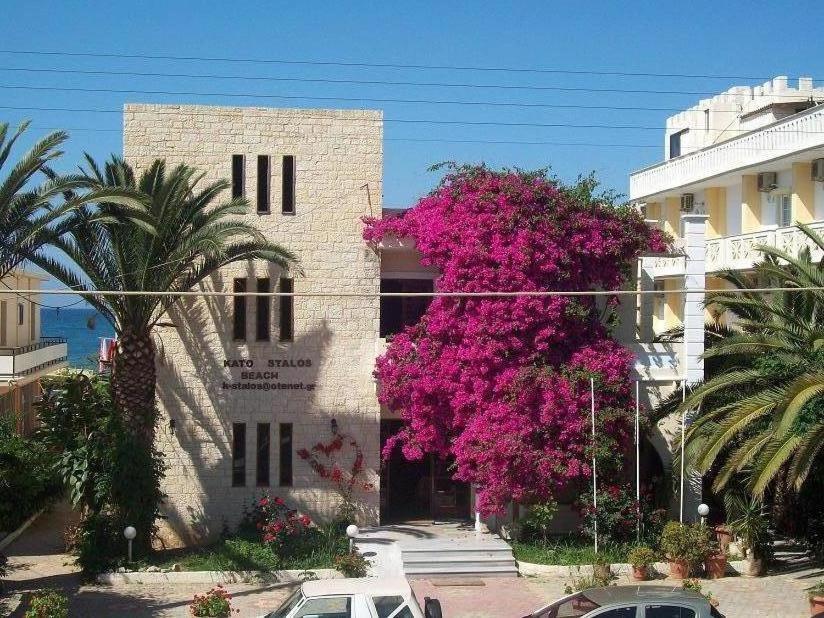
684	546
751	526
641	558
816	596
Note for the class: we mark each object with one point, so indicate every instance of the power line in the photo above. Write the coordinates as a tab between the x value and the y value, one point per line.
387	65
324	80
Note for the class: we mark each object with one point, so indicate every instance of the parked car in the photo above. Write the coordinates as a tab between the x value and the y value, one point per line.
630	602
368	597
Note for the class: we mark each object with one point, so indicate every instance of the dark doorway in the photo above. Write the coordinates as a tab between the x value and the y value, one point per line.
415	490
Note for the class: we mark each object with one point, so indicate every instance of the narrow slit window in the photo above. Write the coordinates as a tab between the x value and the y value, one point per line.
238	454
239	302
263	448
3	318
285	454
287	310
288	189
263	179
238	176
263	305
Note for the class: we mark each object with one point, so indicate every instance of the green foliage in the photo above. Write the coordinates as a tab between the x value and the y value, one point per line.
27	478
585	582
690	542
217	603
750	521
568	550
816	591
48	604
641	556
110	475
536	525
695	585
352	564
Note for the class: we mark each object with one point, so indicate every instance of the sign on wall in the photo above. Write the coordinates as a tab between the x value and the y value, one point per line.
272	374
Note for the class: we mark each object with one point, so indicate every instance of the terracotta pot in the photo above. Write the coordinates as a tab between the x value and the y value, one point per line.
816	605
724	536
679	569
640	573
601	571
715	566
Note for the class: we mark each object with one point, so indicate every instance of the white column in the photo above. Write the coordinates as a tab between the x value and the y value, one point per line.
694	228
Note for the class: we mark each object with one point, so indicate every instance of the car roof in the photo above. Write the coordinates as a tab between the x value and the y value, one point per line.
630	594
383	586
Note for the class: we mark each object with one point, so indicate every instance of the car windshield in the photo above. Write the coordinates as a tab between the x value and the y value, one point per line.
287	606
572	607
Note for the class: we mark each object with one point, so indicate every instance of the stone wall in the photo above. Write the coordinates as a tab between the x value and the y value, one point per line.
338	181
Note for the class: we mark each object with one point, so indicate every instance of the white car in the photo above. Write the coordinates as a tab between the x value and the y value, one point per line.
369	597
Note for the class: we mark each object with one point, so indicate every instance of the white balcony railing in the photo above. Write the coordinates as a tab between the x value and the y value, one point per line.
18	362
657	361
664	265
741	252
800	132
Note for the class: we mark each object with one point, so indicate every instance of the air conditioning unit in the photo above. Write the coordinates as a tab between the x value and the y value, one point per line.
687	202
818	170
767	181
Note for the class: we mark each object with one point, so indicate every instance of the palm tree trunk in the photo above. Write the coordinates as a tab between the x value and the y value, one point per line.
133	383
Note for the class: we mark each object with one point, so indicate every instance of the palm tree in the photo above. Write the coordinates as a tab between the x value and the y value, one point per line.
184	238
761	414
33	216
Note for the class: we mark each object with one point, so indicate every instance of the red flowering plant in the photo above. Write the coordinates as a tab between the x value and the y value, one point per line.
276	523
327	460
217	603
500	384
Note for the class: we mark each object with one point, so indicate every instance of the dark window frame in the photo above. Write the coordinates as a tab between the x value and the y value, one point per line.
264	181
286	439
264	451
238	175
288	184
239	330
286	332
675	140
238	454
263	314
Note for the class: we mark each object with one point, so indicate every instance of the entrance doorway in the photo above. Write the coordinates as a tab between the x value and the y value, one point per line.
415	490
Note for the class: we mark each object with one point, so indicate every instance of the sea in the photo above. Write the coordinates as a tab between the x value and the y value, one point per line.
82	328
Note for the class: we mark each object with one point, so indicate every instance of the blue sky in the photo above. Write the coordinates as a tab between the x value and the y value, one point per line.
696	38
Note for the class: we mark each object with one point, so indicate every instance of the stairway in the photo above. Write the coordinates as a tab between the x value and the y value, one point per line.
457	557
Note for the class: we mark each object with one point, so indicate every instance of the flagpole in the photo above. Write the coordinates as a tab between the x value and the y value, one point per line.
683	435
638	459
594	474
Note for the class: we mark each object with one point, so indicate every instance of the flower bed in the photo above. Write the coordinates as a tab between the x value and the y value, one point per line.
567	551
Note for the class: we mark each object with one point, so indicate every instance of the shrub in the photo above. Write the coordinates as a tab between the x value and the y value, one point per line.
617	514
537	524
277	523
352	564
28	481
217	603
641	556
48	604
817	590
690	542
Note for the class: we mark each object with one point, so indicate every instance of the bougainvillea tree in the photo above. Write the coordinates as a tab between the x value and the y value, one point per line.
501	383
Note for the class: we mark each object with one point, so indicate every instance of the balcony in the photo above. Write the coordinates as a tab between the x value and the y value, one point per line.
48	353
656	361
664	265
740	252
798	133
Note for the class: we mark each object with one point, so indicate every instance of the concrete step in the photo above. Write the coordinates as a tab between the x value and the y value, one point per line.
469	554
458	558
459	571
452	560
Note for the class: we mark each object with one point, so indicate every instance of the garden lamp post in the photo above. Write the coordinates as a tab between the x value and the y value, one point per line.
703	511
130	533
352	531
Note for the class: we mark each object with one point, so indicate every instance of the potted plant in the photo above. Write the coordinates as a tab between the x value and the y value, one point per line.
641	558
750	524
217	603
816	596
724	536
684	546
715	564
601	570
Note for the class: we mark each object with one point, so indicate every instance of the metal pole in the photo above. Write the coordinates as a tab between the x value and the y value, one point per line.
594	474
130	550
638	459
683	434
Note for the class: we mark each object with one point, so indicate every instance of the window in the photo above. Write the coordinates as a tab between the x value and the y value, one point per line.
285	454
238	454
706	119
785	206
577	606
263	183
287	310
263	443
3	318
668	611
659	300
326	607
288	188
238	175
398	312
32	322
675	144
263	304
239	311
618	612
21	314
386	606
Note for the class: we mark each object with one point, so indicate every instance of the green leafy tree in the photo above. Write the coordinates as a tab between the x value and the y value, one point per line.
761	413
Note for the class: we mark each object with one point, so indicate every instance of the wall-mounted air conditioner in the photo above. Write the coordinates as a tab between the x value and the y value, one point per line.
687	202
818	170
767	181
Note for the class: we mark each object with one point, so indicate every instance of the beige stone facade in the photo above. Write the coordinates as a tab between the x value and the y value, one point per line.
338	167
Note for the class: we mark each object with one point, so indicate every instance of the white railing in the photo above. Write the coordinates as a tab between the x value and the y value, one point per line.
664	265
800	132
657	361
18	362
741	252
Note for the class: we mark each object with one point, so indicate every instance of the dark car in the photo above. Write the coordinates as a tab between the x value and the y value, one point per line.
630	602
